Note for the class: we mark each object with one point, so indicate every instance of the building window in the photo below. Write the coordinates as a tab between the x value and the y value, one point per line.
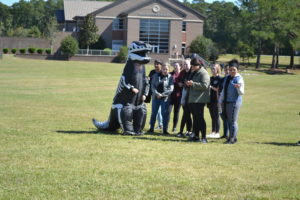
118	24
183	48
184	26
117	44
156	33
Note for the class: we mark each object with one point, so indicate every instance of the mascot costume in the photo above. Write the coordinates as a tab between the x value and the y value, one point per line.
128	110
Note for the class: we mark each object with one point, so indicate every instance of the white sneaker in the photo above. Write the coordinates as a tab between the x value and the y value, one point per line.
215	135
212	135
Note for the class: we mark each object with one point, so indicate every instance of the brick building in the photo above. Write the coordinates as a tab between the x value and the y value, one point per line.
167	25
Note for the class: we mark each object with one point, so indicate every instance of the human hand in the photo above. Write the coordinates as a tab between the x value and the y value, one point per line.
189	83
143	98
159	96
134	90
237	85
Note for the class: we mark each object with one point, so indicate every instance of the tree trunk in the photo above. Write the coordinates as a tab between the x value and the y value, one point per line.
292	66
273	59
277	57
258	55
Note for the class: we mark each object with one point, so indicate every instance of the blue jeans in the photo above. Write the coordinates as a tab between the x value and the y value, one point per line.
164	106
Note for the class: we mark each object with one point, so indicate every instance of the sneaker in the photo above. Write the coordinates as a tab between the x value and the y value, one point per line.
187	134
194	139
180	135
150	130
212	135
166	133
174	129
204	141
223	136
159	127
216	135
298	144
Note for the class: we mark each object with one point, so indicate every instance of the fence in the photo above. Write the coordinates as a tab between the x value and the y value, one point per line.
93	52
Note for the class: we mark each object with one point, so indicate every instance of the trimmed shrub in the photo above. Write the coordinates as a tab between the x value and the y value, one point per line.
122	56
40	51
31	50
107	51
69	46
14	50
23	50
5	50
48	51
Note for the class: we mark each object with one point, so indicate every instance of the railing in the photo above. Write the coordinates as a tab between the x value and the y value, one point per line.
93	52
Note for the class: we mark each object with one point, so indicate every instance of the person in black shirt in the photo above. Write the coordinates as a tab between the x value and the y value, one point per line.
215	81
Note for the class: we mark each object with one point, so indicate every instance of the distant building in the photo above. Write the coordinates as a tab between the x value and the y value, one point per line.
167	25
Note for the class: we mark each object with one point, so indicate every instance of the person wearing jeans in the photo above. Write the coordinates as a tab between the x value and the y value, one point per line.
162	86
231	99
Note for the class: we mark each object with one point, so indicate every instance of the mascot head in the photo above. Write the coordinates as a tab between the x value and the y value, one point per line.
137	52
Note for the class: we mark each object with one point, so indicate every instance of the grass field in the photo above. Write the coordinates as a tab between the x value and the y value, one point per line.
49	148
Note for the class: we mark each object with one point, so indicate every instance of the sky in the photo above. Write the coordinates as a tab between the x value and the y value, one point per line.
10	2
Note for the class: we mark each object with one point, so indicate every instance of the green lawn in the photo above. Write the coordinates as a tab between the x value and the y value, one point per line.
49	148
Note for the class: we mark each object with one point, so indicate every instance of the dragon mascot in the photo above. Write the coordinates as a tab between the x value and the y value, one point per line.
128	110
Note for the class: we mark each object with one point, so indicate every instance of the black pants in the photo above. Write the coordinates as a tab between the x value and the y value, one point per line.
176	103
133	118
199	124
214	114
186	119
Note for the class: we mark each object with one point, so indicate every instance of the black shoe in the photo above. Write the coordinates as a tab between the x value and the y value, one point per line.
298	144
224	136
180	135
194	139
166	133
233	141
227	142
150	130
204	141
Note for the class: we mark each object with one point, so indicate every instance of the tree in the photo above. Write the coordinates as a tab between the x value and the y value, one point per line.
202	46
69	46
122	56
34	32
245	51
87	32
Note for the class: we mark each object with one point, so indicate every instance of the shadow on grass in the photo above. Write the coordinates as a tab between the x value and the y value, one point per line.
280	144
85	132
274	71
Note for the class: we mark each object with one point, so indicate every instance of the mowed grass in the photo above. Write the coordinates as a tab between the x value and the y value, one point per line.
49	148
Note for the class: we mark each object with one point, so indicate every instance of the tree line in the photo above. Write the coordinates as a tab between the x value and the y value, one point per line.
247	28
253	27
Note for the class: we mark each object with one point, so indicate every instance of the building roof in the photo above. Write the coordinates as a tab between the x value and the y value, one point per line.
80	8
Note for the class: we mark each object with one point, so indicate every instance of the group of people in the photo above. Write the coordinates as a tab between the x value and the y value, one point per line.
189	86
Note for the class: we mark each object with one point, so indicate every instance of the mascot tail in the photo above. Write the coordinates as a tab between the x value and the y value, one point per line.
100	125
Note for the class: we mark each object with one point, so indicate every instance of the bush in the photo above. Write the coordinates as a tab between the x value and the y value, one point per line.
31	50
107	51
40	51
5	50
69	46
23	50
48	51
122	56
14	50
201	45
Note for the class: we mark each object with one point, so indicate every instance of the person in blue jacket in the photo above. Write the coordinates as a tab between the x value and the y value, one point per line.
231	99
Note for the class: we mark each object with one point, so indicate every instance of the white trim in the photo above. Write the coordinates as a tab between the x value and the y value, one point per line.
152	17
105	17
191	20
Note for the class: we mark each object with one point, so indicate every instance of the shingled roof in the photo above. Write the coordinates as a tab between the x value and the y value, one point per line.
79	8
